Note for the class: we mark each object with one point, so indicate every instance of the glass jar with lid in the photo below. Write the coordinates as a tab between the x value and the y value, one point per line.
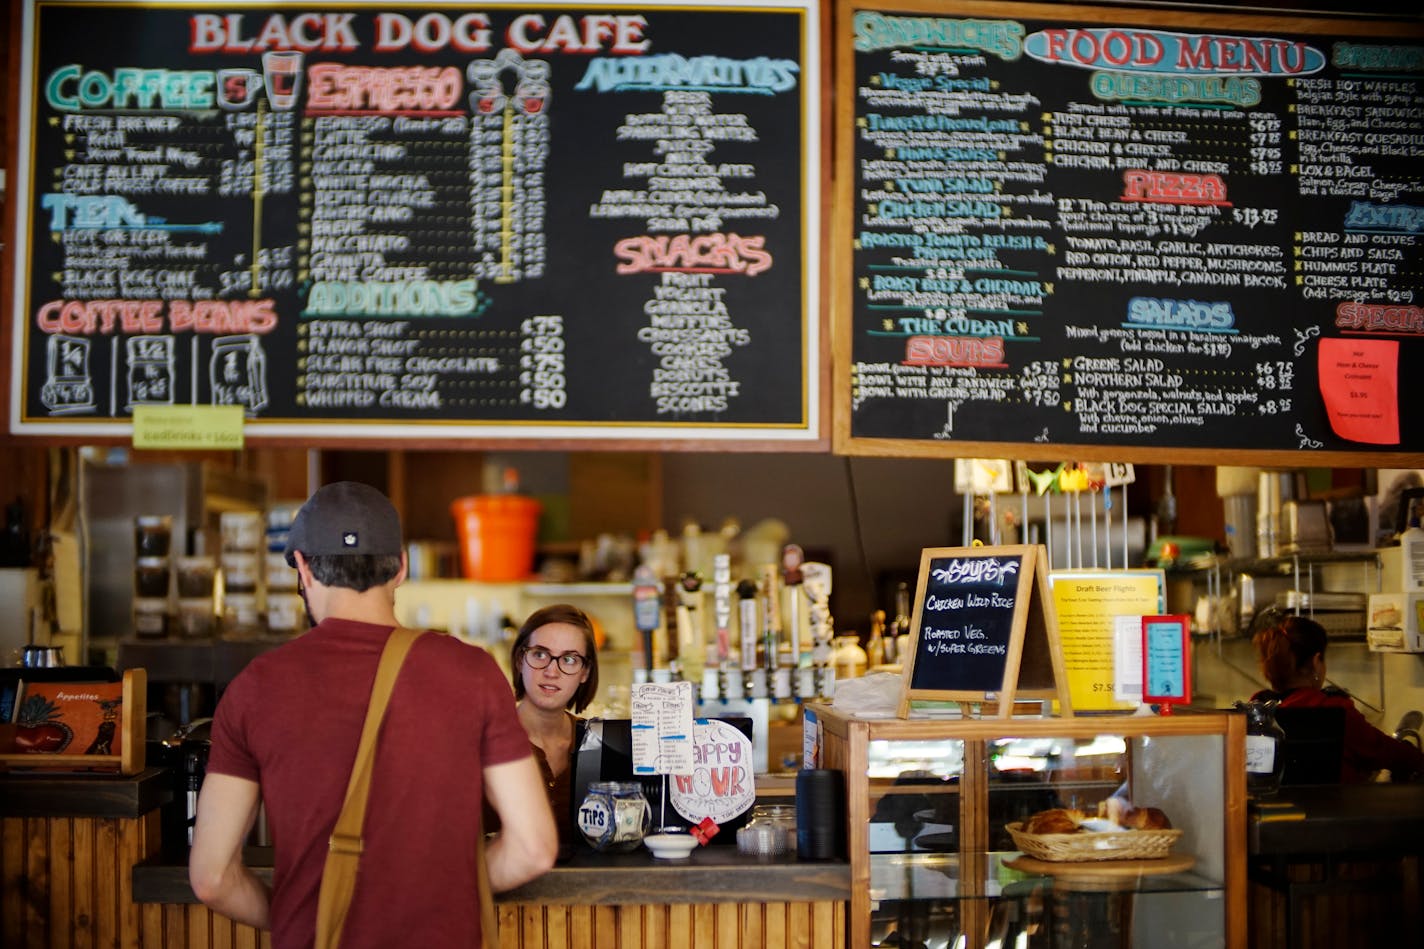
849	658
771	832
1264	736
614	816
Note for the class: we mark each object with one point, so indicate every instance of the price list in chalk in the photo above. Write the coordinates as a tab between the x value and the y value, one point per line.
510	223
1096	227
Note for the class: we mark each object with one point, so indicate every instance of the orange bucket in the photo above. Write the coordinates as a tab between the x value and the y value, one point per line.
496	533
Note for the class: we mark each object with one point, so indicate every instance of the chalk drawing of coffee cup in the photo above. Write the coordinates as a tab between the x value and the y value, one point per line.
238	87
282	73
489	99
532	95
237	372
67	387
488	95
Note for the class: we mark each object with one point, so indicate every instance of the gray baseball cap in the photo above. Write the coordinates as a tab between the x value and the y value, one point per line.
345	517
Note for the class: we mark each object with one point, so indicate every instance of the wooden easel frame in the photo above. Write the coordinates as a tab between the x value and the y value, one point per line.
133	723
1033	666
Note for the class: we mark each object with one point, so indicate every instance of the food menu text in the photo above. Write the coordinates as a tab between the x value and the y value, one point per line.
1086	233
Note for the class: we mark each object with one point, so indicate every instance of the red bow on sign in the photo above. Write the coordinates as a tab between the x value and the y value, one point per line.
704	831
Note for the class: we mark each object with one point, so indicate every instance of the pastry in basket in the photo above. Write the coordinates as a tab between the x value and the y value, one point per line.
1067	835
1121	812
1057	820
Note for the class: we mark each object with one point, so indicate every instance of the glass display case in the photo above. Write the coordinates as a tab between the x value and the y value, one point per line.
933	806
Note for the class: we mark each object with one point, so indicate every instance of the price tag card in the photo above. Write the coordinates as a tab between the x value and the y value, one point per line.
1127	658
662	728
1166	671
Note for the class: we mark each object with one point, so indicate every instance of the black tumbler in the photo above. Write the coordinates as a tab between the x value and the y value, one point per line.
820	814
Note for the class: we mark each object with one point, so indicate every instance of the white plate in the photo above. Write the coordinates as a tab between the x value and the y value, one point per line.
670	846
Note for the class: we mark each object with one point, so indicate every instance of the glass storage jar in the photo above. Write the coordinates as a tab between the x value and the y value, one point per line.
771	831
614	816
1264	737
849	658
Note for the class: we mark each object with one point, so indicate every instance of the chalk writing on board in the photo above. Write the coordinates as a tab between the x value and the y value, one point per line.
1109	235
403	216
977	571
967	613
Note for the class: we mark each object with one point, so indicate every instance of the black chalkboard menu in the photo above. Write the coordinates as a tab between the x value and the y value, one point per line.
419	220
1123	234
983	626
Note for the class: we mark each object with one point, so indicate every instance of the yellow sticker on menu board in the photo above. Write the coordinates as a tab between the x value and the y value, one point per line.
194	427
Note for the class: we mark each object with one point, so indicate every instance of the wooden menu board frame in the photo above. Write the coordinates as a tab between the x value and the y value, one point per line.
641	361
1031	666
875	414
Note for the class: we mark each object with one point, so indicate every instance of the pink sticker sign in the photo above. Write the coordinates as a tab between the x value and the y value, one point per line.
1359	382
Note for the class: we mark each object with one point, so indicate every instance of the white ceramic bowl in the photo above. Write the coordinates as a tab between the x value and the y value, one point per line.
670	846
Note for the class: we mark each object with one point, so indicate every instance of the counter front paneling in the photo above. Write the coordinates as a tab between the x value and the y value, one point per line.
1338	865
66	845
715	898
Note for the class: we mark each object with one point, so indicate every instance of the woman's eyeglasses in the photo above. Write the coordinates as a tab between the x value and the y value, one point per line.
570	663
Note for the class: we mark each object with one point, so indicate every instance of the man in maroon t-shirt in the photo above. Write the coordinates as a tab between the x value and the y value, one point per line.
286	731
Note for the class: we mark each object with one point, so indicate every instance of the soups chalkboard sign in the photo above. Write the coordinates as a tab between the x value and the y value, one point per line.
983	629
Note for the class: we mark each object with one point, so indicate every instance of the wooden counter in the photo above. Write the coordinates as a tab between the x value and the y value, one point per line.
715	898
66	845
1340	866
83	864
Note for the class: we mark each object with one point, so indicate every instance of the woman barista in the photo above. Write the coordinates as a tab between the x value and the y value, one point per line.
1292	655
554	661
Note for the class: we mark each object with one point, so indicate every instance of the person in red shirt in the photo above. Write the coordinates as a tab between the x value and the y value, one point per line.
1292	658
286	730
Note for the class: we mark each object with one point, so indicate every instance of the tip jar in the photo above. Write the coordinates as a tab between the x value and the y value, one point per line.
614	816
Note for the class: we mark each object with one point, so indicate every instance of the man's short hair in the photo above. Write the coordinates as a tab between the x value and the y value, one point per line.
359	572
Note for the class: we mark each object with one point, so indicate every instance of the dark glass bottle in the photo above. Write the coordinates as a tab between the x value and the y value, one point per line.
1264	758
15	543
899	631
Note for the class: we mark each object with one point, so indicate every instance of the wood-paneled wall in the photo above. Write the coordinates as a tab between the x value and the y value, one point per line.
1331	903
522	925
673	926
194	926
67	880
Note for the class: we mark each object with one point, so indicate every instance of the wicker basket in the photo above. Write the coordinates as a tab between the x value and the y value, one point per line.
1095	845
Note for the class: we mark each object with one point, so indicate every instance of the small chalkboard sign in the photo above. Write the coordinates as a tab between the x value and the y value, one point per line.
983	629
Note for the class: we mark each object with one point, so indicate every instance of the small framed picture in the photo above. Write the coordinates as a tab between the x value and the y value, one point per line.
1166	663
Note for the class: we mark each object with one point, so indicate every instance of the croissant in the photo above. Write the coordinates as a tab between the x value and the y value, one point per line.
1146	818
1057	820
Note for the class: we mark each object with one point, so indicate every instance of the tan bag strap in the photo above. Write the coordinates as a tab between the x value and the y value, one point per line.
343	855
